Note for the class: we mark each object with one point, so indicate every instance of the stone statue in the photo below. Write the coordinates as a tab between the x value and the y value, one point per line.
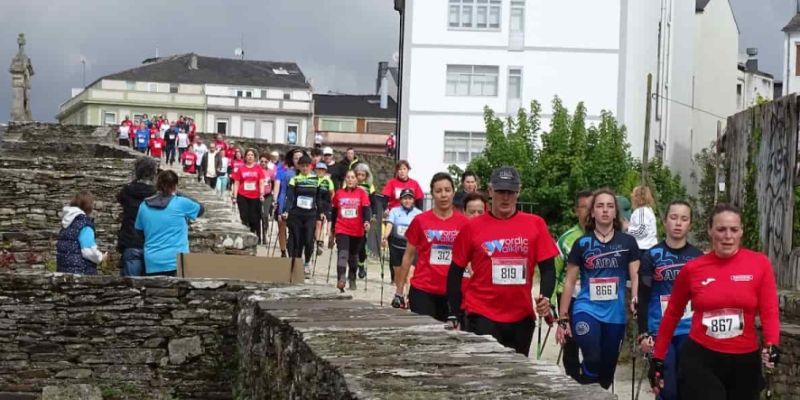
21	72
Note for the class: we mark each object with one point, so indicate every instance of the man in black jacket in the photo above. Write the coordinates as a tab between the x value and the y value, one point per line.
214	156
130	242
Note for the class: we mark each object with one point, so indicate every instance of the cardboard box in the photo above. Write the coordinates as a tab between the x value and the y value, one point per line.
244	268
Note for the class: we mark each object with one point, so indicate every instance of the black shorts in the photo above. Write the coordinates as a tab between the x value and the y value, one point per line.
424	303
707	374
516	335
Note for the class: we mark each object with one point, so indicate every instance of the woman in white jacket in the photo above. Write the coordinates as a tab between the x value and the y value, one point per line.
643	223
76	249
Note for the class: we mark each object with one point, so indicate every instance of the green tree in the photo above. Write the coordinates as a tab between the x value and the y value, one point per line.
704	177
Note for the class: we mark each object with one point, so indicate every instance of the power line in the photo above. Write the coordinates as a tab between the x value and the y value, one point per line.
691	107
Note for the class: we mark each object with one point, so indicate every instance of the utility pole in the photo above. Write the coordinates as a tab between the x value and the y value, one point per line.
716	161
646	152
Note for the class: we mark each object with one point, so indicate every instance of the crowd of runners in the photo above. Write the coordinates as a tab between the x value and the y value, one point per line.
469	262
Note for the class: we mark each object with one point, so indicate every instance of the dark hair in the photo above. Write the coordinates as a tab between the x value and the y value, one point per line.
442	176
83	200
145	168
467	174
399	164
590	223
305	159
582	195
721	208
249	150
350	148
167	182
678	203
316	152
289	158
475	196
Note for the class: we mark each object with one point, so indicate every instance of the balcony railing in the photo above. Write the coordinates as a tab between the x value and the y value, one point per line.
172	99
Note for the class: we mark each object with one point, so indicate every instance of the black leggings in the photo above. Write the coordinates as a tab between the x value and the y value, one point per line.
169	158
424	303
250	213
347	256
301	235
516	335
710	375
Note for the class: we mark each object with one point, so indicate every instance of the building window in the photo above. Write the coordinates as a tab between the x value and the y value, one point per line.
471	80
514	83
173	88
337	125
130	85
152	87
291	133
797	59
287	96
517	22
380	127
137	118
244	93
109	118
222	126
462	147
474	14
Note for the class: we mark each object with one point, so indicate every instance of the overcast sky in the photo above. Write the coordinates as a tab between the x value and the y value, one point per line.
337	43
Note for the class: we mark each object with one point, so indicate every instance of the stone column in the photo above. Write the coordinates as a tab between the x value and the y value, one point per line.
21	72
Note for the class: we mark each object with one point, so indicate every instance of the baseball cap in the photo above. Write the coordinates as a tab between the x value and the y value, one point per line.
407	192
505	178
321	165
624	207
274	153
327	150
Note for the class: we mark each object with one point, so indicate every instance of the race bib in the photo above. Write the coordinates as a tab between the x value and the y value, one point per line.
305	202
171	137
440	254
509	271
249	186
725	323
349	213
141	140
687	312
603	289
157	146
401	231
188	163
397	193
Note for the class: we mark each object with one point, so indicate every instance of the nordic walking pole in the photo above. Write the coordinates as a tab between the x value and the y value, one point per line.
549	322
641	378
330	259
382	262
539	340
558	359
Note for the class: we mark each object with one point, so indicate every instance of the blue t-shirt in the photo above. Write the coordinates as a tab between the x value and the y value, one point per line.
86	238
604	271
166	232
284	175
400	218
142	138
663	264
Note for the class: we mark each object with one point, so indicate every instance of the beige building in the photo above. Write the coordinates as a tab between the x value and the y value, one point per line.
238	98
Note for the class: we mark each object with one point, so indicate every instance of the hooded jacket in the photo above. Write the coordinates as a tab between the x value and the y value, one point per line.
130	197
70	257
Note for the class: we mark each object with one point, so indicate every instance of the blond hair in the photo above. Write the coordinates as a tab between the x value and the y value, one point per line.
642	196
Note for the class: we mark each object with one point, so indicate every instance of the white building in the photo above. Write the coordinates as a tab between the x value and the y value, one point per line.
752	84
461	55
791	56
247	98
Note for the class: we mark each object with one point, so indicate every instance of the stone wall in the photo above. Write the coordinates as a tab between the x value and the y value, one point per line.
43	165
132	338
167	338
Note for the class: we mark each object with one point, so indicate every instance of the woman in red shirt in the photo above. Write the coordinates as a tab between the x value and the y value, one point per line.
236	162
248	189
727	287
350	216
430	239
396	185
156	146
189	160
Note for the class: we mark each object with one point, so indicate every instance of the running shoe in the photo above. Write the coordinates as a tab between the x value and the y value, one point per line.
362	271
353	284
340	286
399	301
307	269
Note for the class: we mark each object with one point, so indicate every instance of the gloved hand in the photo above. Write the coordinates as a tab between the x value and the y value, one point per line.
770	356
656	375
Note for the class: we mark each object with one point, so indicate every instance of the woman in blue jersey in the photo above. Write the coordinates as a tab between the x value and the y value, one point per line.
659	268
281	188
606	258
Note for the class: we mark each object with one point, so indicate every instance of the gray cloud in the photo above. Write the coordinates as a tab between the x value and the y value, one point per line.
337	43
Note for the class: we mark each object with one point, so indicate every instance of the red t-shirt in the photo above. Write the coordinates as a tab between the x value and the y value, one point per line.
433	237
248	178
390	142
235	165
269	176
726	294
189	160
348	203
230	152
153	133
503	254
221	145
156	146
395	186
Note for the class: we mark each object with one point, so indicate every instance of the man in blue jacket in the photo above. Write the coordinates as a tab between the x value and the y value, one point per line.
142	138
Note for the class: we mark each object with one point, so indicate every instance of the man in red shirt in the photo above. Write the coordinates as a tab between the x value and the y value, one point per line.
390	144
503	246
156	146
189	160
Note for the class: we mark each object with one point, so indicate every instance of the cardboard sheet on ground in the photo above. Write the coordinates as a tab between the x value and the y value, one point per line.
244	268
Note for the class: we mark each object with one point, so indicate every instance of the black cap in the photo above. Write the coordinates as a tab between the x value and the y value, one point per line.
407	192
505	178
304	159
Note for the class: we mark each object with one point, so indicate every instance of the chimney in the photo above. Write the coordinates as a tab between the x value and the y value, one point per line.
383	67
384	91
193	62
751	65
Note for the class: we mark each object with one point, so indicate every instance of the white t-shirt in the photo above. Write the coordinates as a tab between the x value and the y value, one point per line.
164	128
643	228
183	140
124	131
201	150
211	172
